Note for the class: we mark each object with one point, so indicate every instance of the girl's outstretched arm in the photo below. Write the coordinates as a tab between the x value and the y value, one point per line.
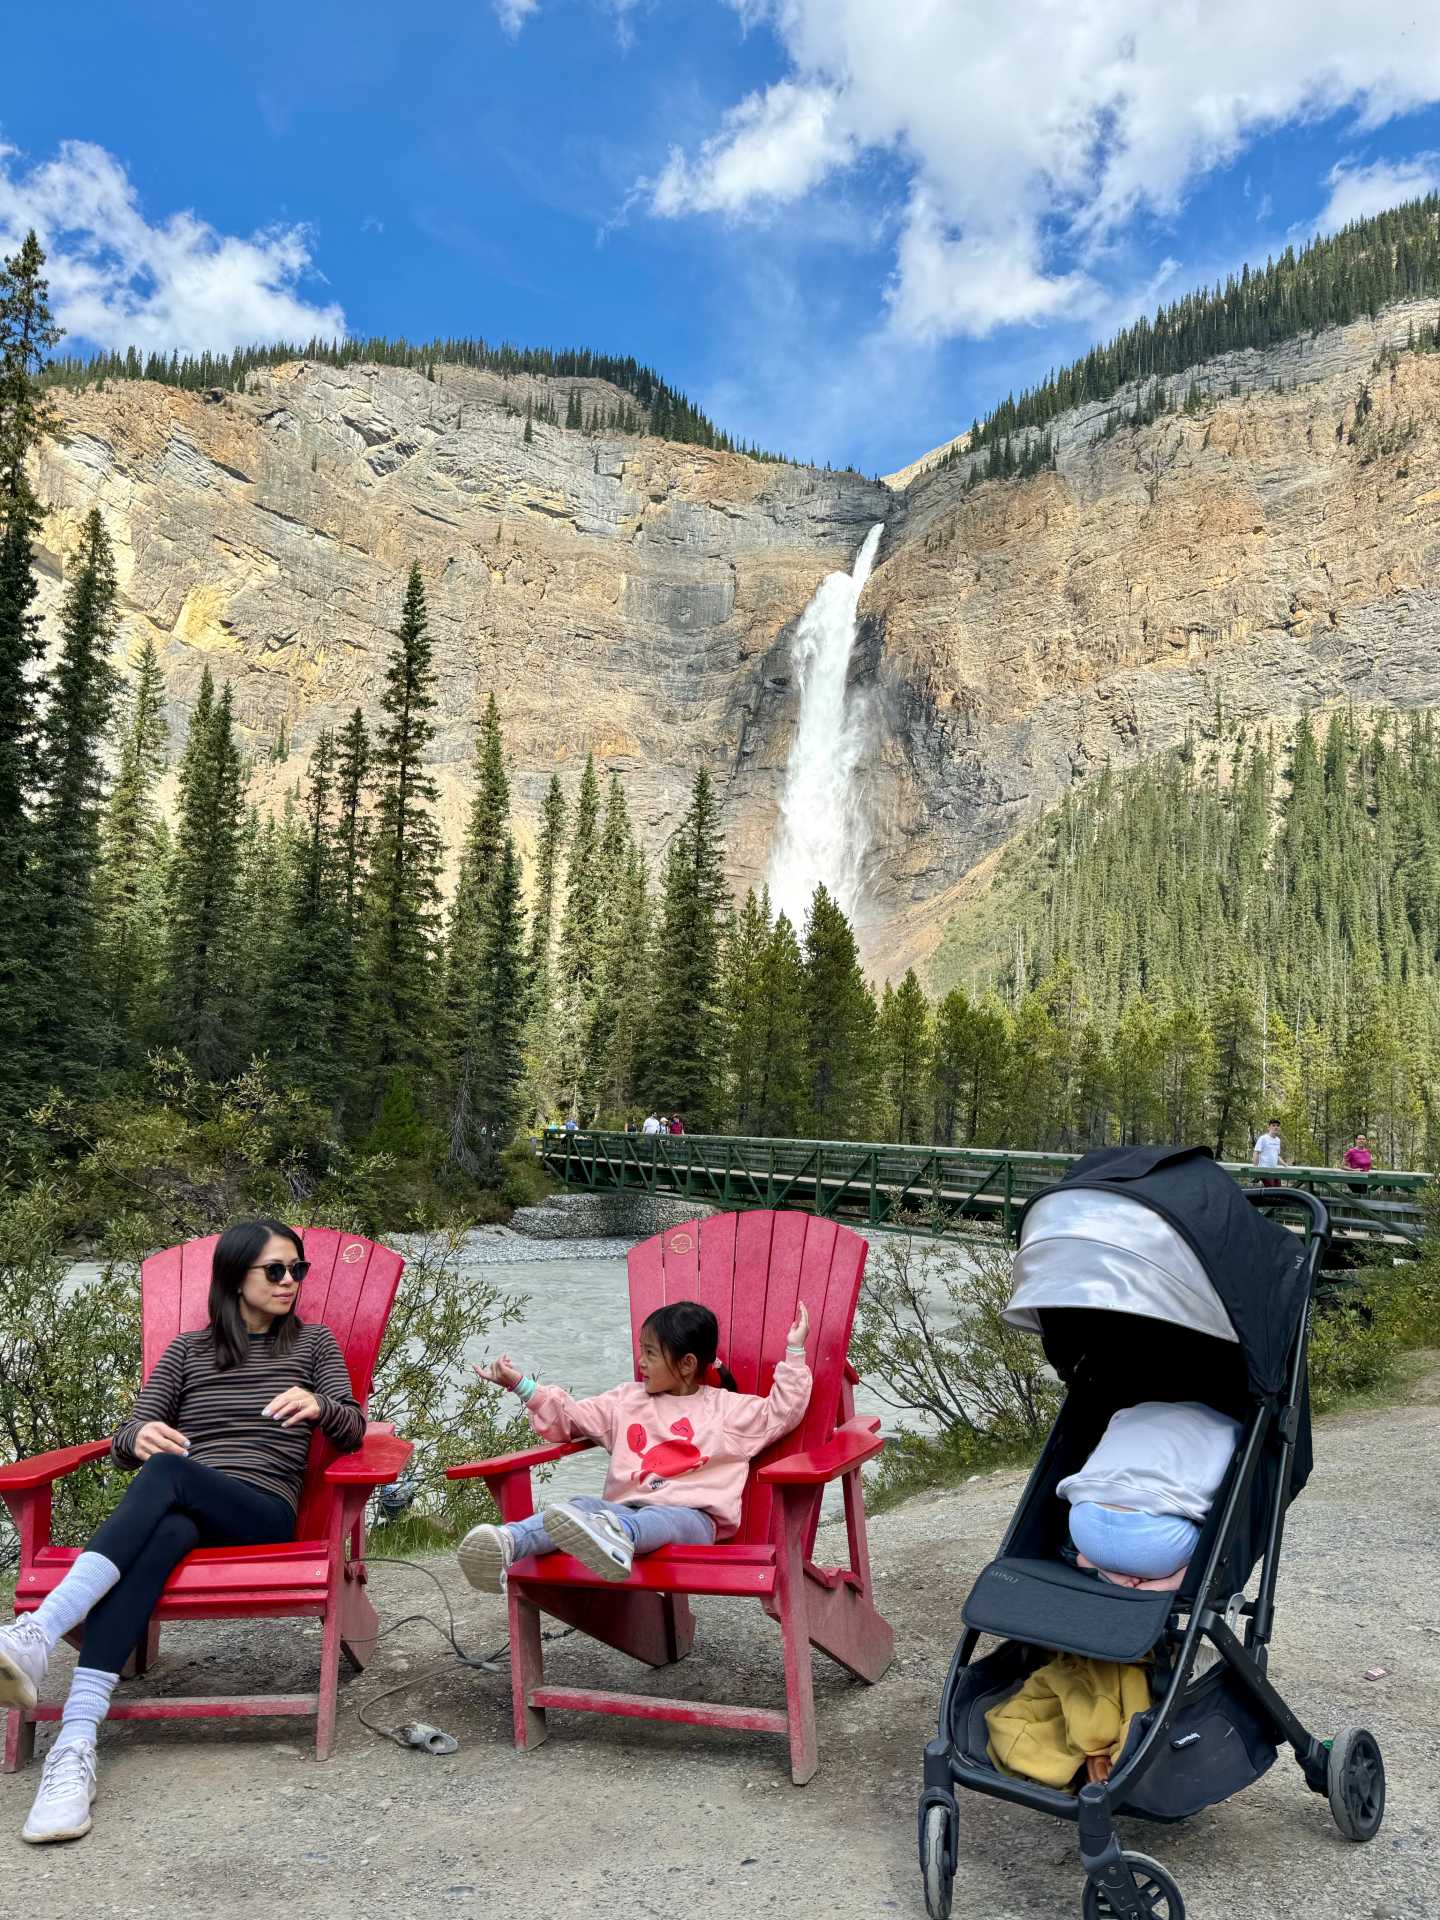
756	1420
556	1415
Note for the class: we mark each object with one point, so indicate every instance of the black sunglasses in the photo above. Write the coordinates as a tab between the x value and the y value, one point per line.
276	1270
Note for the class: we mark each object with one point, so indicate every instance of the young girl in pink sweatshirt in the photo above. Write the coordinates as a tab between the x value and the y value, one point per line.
680	1450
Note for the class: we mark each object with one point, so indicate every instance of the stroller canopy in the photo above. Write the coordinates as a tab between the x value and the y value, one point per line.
1163	1233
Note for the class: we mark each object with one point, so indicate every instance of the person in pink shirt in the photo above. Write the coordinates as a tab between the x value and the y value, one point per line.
1358	1158
680	1450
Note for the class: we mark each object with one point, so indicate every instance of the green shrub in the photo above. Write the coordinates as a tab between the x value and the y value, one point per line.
524	1181
69	1353
929	1339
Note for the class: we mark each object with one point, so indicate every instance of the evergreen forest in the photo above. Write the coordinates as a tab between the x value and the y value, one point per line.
1335	279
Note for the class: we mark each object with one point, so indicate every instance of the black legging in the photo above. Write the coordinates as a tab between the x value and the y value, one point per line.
172	1505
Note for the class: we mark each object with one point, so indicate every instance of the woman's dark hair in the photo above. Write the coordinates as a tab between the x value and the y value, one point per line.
236	1251
687	1327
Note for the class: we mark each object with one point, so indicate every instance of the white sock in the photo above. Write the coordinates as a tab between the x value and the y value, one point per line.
86	1584
86	1705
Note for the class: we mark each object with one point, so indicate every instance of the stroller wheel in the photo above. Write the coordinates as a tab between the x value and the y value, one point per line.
1355	1780
1157	1893
937	1860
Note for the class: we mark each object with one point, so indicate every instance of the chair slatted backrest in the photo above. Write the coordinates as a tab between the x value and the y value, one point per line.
350	1286
752	1270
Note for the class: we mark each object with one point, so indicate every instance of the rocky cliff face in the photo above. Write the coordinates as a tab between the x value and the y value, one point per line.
621	595
1273	551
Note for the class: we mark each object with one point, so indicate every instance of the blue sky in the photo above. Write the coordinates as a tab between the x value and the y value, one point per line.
843	226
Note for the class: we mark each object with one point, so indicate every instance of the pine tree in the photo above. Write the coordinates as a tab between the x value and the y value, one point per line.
840	1024
485	835
781	1068
70	1033
579	956
905	1058
26	419
403	885
132	869
614	962
541	1040
313	983
685	1066
203	965
492	1071
743	997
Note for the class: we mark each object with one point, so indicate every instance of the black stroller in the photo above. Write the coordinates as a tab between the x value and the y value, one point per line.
1153	1265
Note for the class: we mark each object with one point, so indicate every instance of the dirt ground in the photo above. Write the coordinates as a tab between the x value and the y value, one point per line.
617	1819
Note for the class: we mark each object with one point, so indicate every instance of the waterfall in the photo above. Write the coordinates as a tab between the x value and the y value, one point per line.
820	837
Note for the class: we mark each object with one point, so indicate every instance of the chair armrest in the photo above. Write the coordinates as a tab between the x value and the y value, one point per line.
377	1461
515	1462
847	1447
43	1469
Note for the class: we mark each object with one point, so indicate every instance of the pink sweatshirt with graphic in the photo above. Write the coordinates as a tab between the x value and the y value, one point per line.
678	1450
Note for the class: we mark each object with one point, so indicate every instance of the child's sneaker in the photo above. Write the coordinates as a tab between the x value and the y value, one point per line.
596	1540
485	1556
24	1656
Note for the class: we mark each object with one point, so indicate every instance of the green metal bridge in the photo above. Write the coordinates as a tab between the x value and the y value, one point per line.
970	1191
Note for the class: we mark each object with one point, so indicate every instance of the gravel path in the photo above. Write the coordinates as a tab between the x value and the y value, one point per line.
639	1822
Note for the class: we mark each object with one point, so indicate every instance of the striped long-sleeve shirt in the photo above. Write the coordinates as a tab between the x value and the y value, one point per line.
219	1413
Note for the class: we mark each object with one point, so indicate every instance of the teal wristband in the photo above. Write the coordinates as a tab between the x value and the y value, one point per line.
525	1387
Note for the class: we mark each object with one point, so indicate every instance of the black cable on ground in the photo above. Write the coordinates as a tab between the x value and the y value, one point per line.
486	1663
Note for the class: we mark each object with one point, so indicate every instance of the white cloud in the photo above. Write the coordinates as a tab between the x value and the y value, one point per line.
1033	133
1356	192
512	14
116	280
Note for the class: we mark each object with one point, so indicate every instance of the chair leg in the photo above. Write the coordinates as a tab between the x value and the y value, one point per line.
147	1651
795	1638
527	1670
19	1741
329	1680
359	1625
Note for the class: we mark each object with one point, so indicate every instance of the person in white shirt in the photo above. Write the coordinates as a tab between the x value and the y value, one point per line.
1139	1502
1267	1151
652	1125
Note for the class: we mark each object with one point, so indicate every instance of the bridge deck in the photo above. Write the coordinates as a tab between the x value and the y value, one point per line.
887	1186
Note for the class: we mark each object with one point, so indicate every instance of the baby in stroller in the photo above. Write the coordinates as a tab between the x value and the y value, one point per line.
1139	1502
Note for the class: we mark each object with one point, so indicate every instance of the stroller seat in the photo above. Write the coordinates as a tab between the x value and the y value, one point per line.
1049	1604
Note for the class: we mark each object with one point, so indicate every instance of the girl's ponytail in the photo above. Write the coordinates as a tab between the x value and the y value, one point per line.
727	1378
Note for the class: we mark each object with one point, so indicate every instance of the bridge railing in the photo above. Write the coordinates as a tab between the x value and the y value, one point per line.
886	1184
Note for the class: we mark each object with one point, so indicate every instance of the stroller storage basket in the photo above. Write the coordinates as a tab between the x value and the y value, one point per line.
1218	1742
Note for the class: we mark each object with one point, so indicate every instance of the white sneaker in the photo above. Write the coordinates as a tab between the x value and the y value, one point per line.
597	1541
24	1656
67	1791
486	1555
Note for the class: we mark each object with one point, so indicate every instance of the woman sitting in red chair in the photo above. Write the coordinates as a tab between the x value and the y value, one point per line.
221	1434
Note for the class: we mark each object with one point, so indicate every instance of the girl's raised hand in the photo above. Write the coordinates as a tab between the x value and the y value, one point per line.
800	1332
501	1372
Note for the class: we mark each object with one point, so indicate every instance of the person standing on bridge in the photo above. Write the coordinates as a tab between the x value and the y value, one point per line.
652	1123
1357	1159
1267	1152
677	1125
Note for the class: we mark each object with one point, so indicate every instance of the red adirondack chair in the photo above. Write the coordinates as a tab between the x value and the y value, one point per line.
751	1269
351	1287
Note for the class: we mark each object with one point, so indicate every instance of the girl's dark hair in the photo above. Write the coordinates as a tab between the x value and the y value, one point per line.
236	1251
687	1327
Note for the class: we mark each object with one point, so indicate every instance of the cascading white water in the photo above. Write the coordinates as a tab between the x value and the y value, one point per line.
820	837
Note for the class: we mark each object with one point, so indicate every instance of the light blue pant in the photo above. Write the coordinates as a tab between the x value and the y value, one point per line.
648	1526
1148	1546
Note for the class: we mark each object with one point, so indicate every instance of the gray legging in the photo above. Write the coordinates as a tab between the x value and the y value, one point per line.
648	1526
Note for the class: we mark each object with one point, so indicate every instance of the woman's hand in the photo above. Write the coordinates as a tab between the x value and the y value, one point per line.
292	1406
155	1437
800	1332
501	1372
